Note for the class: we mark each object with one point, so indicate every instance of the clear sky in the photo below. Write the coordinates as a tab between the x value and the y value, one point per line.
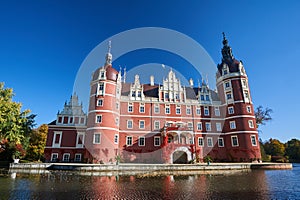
43	44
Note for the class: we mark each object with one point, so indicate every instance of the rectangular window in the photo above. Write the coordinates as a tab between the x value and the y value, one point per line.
129	140
54	157
97	138
141	141
101	88
167	109
77	157
142	124
117	106
130	107
251	124
71	120
230	110
100	102
156	108
244	83
129	124
202	97
98	118
60	120
117	121
82	120
156	125
248	109
198	111
139	94
199	126
176	96
218	126
66	157
80	140
142	107
57	139
102	74
217	111
188	110
253	140
209	142
232	124
234	141
166	95
116	139
246	94
133	93
200	141
220	142
206	97
206	111
208	126
227	85
178	110
156	141
229	96
190	125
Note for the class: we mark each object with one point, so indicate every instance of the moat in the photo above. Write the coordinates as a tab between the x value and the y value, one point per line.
240	184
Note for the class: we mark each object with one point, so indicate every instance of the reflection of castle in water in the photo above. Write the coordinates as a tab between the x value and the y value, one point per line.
152	123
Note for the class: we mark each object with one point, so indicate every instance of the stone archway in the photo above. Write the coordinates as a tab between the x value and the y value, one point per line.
181	155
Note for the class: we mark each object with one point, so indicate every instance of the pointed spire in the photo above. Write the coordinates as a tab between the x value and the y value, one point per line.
226	50
108	57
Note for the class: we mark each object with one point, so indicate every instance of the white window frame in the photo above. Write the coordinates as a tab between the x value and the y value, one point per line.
199	126
101	91
116	139
218	126
230	110
77	139
129	142
217	111
56	145
140	139
130	105
190	125
237	141
178	107
154	140
229	85
80	157
229	94
206	111
210	142
188	110
251	123
200	144
156	125
248	108
141	124
100	102
220	139
207	126
198	110
94	138
66	160
52	155
156	108
232	125
167	107
253	142
98	119
129	122
142	108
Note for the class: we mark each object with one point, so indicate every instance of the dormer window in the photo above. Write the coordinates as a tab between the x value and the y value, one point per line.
202	97
133	94
166	95
227	85
101	88
102	74
207	97
139	94
225	71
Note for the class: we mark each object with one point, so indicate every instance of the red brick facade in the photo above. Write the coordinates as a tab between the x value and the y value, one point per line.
150	123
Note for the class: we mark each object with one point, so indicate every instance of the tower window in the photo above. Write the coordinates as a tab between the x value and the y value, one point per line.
129	140
251	124
209	142
220	142
227	85
228	95
156	141
208	126
98	118
234	141
97	138
100	102
230	110
248	109
200	141
232	124
253	140
206	111
116	139
129	124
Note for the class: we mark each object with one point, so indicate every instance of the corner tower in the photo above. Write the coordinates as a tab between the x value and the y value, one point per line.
240	131
102	135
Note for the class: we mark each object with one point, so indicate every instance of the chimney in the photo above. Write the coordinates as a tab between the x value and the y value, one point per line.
152	80
191	82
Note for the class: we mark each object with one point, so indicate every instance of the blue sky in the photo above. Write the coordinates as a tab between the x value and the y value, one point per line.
43	44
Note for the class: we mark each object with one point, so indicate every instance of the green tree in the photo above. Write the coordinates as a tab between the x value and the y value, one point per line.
37	143
262	115
15	125
293	150
274	147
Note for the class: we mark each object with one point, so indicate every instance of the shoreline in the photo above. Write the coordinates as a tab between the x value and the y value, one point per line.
144	169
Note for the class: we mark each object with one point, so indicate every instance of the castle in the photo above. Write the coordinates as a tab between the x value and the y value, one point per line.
151	123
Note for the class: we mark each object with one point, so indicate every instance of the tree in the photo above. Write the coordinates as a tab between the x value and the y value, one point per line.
15	125
262	115
37	143
293	150
276	149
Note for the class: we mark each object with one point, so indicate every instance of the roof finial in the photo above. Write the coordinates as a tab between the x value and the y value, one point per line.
225	41
108	58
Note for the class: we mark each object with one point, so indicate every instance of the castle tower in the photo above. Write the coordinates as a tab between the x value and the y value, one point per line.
241	136
102	135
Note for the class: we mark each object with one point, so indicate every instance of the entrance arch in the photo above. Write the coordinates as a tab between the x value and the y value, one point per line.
181	155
